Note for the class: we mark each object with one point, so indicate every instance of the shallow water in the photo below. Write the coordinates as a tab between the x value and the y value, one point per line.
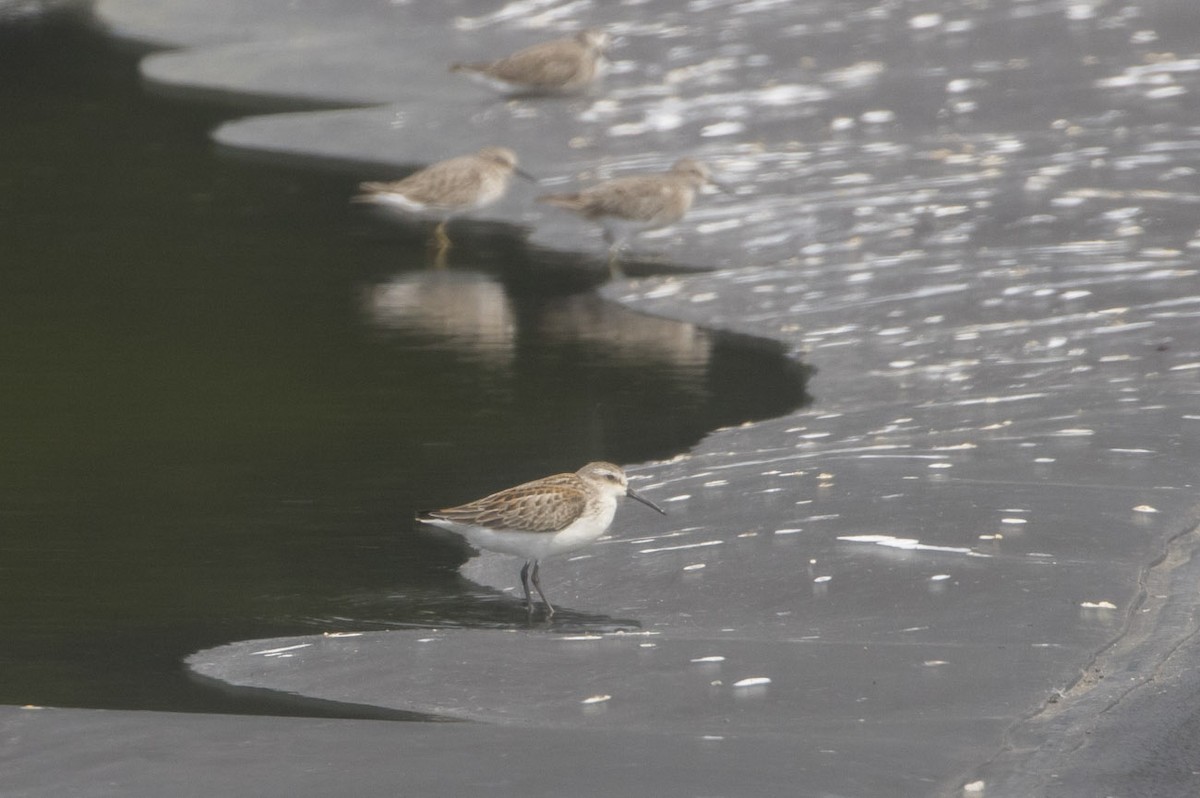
226	390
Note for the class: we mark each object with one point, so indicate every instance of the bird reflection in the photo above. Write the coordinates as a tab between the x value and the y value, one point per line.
470	309
474	312
588	318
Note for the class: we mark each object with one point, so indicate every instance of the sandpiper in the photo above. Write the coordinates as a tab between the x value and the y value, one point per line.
557	67
537	519
626	206
447	188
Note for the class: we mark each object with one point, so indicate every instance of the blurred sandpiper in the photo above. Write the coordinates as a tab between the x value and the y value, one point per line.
448	188
548	516
561	66
626	206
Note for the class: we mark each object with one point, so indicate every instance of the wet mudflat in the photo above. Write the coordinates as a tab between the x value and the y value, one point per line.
978	223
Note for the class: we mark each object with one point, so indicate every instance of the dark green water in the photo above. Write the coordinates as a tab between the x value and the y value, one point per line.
220	403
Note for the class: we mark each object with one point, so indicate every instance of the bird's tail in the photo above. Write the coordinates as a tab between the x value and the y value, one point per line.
461	67
369	192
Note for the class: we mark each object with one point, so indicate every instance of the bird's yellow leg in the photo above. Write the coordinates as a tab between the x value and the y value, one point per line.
441	243
615	271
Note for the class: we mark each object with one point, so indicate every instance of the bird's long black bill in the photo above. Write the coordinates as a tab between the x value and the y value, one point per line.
526	176
639	497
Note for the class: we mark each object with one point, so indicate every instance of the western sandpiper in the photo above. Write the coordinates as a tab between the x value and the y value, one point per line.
448	188
626	206
560	66
537	519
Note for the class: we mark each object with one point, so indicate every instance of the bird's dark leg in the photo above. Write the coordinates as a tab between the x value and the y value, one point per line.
537	583
525	584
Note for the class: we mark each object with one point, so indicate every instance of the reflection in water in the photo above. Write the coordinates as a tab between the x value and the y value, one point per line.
467	309
602	380
586	317
472	311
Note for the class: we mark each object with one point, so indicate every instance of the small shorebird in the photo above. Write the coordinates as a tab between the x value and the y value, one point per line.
447	188
537	519
558	67
626	206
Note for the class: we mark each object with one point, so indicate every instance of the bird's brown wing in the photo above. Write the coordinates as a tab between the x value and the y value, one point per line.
549	65
625	198
546	505
444	184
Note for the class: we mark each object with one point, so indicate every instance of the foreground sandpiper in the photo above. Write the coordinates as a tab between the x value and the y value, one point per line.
448	188
537	519
626	206
558	67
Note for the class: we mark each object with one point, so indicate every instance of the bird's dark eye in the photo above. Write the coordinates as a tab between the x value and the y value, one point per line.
611	477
